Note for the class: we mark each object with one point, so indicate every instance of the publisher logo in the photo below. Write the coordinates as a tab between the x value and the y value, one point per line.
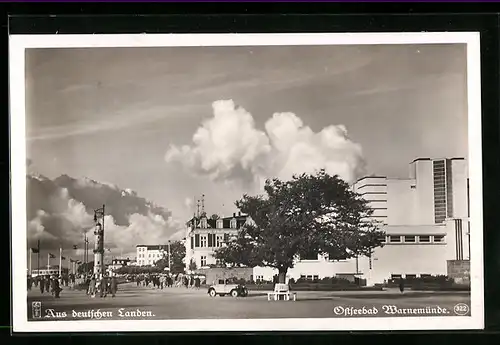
36	309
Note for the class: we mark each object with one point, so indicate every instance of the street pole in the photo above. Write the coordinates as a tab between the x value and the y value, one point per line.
60	261
169	257
84	250
38	258
48	262
86	254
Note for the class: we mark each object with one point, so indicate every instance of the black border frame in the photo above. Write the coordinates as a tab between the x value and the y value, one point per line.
75	18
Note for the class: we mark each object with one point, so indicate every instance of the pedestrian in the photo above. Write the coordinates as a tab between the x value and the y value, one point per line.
197	282
104	286
52	285
47	283
401	285
42	286
57	288
92	286
113	286
138	280
30	283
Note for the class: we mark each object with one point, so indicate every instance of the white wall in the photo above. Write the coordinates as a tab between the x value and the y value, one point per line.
460	173
400	202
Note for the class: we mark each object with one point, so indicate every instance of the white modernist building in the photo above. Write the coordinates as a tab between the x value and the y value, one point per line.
424	216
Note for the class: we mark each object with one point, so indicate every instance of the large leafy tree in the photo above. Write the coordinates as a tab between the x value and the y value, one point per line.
178	252
312	213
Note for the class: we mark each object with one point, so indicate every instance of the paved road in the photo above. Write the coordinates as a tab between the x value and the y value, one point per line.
181	303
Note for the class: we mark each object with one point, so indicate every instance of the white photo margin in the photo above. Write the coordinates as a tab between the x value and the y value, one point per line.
19	43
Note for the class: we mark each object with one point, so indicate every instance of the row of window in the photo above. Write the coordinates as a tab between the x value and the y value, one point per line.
414	239
409	276
219	224
208	240
151	256
309	277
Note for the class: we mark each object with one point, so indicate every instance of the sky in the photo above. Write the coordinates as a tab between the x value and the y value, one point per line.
175	123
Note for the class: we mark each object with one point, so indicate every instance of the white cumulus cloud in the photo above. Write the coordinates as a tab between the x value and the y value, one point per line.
229	147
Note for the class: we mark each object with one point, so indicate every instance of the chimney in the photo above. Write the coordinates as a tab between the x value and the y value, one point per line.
234	215
239	213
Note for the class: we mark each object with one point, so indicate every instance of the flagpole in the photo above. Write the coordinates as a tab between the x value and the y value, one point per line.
60	261
48	262
31	252
38	258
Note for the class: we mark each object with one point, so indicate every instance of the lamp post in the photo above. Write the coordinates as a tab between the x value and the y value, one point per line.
169	256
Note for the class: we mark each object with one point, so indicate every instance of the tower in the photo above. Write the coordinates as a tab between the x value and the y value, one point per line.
99	267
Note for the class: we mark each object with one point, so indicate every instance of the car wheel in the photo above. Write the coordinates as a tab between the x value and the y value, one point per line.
234	293
212	293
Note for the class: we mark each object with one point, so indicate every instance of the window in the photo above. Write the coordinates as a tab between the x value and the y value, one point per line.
315	277
232	225
424	239
395	276
410	239
425	275
221	281
442	190
219	240
394	239
203	241
411	276
203	260
309	277
438	238
259	278
219	223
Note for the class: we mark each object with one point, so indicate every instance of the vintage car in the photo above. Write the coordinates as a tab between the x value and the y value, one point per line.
226	287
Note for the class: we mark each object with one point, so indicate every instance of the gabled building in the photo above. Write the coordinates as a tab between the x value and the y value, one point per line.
204	235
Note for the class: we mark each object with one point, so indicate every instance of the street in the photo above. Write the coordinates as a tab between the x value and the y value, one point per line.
132	302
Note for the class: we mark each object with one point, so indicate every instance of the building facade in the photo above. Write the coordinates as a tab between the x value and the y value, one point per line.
118	263
205	235
147	255
424	216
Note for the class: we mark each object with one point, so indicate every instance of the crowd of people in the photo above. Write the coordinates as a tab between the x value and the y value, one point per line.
102	285
51	283
160	281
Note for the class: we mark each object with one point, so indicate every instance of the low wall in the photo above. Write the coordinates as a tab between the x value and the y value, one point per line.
459	271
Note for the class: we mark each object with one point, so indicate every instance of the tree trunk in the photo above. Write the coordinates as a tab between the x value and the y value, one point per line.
282	274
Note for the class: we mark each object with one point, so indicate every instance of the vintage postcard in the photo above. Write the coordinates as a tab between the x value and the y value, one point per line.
253	182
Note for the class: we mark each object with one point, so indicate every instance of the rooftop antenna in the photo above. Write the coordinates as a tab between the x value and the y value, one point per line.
198	209
194	208
203	204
